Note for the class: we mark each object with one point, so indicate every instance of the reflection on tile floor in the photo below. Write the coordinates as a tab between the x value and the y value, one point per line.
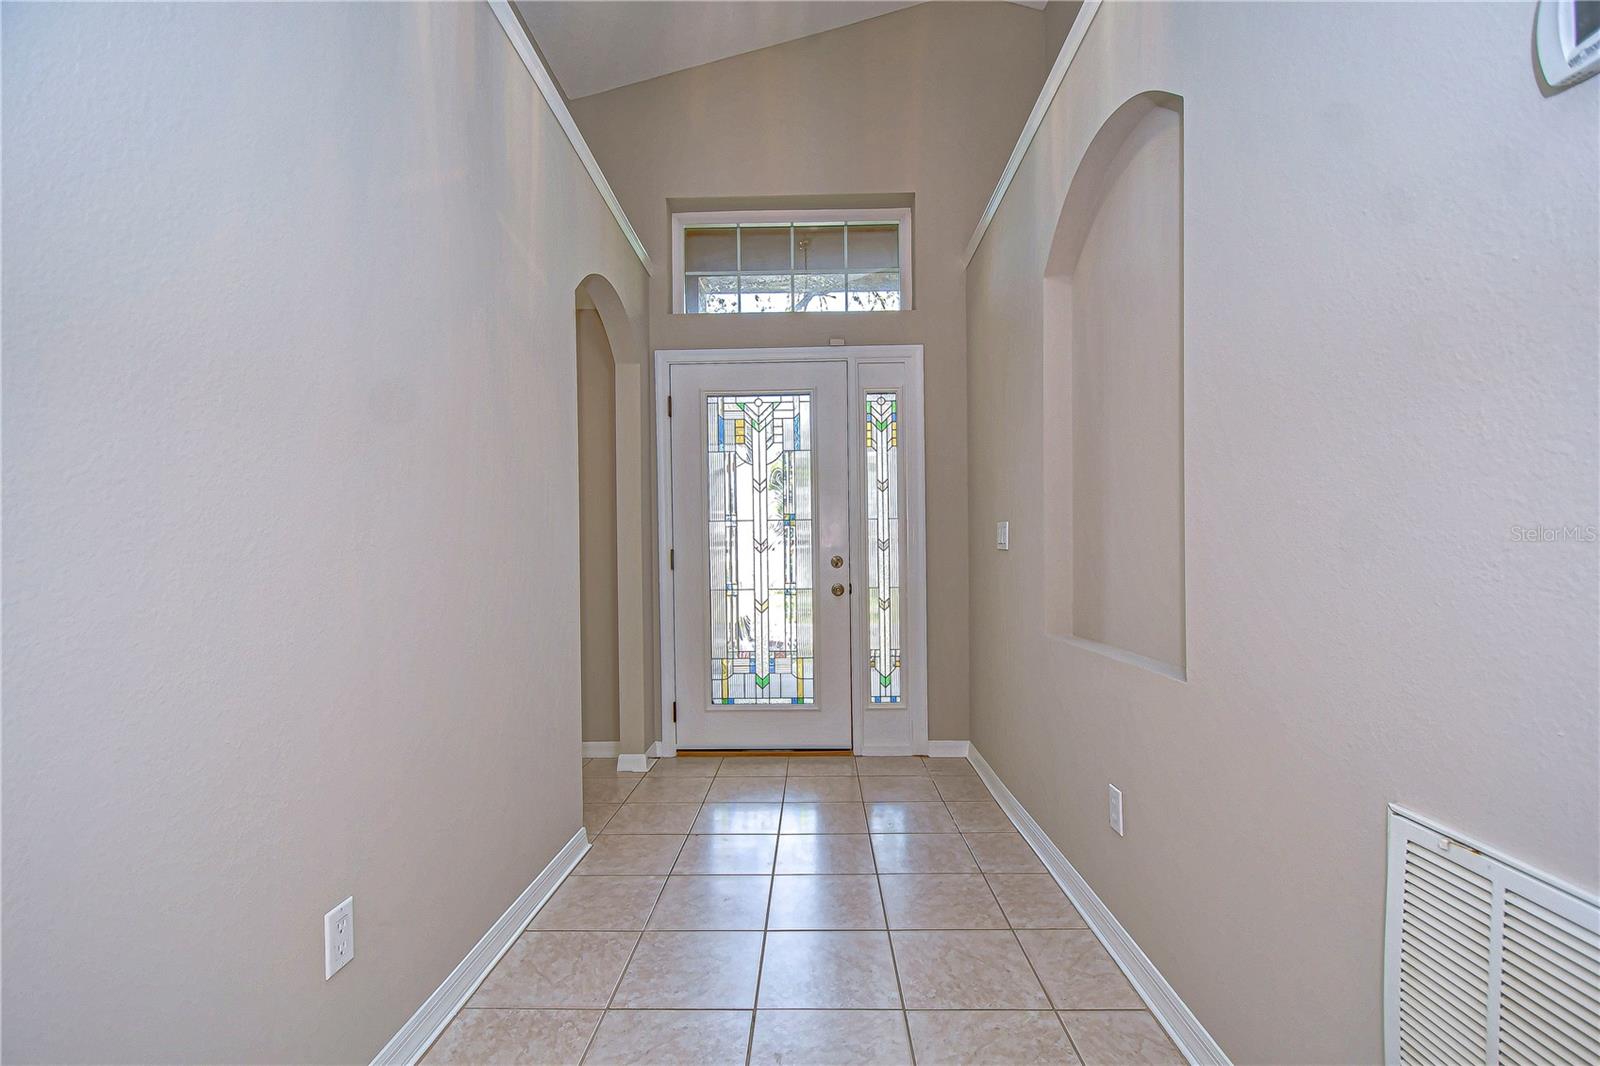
821	910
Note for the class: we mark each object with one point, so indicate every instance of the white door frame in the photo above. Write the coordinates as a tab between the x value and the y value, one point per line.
875	729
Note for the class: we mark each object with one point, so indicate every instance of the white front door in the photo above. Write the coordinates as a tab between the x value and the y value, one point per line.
761	544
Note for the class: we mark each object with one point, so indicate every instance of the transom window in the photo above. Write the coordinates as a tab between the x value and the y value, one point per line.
750	262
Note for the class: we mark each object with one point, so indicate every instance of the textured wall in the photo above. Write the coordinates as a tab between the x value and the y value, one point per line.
290	474
1390	270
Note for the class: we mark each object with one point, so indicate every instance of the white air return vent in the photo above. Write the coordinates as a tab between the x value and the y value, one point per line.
1485	960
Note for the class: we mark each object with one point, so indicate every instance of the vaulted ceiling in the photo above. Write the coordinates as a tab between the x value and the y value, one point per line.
594	46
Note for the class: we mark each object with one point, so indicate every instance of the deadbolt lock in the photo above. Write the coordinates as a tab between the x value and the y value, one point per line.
836	562
838	589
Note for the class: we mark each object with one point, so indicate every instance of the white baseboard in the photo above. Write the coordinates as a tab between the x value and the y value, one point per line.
654	751
600	749
414	1037
948	749
634	764
1174	1015
884	749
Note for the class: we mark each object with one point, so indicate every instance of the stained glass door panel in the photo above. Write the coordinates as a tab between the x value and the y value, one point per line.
758	481
760	506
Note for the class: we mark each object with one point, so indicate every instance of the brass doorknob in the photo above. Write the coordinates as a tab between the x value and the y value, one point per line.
838	589
836	562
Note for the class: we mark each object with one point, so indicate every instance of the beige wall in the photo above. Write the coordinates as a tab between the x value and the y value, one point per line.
955	81
1059	15
290	515
597	525
1390	349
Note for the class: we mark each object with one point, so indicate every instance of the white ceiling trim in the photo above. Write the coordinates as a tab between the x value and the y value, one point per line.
1058	73
552	96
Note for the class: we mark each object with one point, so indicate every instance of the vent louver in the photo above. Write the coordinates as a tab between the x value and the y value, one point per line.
1485	960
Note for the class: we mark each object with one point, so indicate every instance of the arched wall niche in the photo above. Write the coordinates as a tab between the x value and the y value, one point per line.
1112	393
616	517
597	524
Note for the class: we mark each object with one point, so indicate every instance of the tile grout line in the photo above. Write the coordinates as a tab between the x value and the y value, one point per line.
761	956
1054	1013
888	935
1011	928
622	975
766	922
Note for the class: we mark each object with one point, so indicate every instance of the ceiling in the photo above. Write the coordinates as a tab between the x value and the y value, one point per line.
594	46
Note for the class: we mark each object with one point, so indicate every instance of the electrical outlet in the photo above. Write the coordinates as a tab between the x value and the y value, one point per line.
338	937
1116	808
1002	536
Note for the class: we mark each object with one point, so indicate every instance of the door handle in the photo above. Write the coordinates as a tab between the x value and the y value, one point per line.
838	589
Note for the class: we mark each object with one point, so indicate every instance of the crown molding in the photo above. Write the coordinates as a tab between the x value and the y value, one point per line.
1058	73
518	35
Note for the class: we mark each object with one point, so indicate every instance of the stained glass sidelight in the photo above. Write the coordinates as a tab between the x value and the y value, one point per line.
759	463
883	548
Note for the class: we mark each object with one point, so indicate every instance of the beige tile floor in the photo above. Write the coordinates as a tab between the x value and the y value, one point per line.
824	910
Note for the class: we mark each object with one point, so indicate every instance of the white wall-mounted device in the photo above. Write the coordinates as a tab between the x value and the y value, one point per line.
1484	957
1567	33
338	937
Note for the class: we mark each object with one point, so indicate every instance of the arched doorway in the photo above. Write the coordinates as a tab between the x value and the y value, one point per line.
615	513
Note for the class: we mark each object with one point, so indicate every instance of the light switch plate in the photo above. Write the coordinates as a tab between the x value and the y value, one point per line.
1115	795
1002	536
338	937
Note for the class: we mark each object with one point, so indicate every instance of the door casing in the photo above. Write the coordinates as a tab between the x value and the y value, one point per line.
876	729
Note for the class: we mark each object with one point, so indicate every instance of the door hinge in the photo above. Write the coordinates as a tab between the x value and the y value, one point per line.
669	405
674	712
